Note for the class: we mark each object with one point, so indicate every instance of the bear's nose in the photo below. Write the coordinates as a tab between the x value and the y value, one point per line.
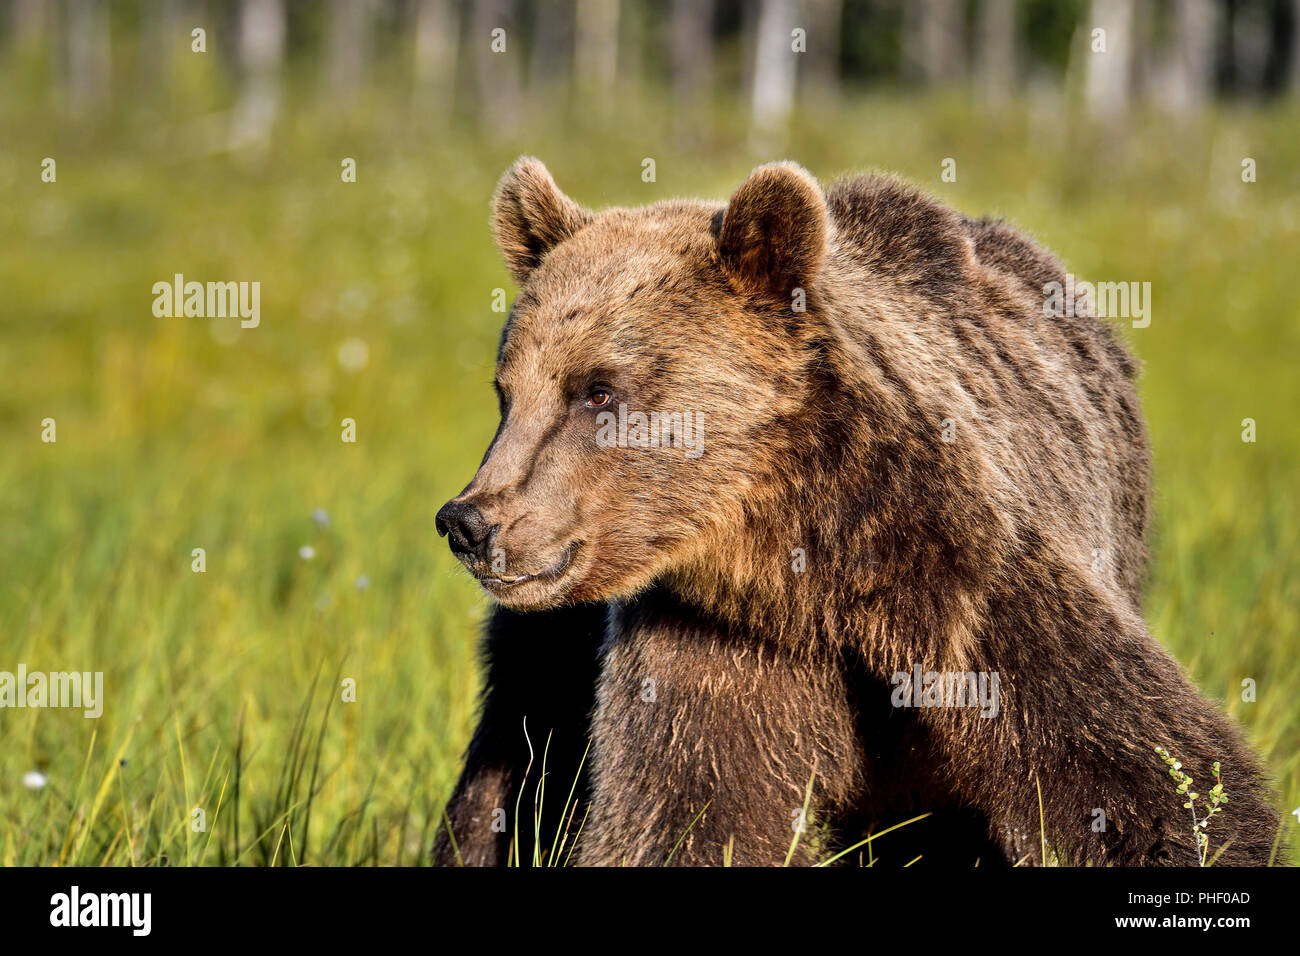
465	528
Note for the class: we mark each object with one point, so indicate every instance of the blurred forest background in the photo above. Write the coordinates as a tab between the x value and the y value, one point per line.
143	139
495	61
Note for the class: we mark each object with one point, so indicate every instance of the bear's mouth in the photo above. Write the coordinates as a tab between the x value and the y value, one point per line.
503	582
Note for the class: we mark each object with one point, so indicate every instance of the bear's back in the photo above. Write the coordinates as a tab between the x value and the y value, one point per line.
955	307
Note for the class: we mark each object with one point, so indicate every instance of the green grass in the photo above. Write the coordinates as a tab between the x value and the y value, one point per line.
223	688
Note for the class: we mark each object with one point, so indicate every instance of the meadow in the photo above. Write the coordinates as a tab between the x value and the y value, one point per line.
223	688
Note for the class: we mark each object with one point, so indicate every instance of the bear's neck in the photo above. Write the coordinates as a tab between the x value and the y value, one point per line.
864	527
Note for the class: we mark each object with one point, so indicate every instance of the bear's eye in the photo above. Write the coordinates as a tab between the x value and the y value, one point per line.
598	398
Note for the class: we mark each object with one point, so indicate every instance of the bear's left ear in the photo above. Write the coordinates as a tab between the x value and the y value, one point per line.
531	216
773	235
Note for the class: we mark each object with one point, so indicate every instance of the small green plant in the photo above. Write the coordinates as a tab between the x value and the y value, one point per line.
1217	798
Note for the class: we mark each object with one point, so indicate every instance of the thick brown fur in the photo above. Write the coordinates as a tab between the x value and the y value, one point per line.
906	463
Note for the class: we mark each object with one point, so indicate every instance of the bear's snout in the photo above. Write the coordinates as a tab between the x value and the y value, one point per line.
465	528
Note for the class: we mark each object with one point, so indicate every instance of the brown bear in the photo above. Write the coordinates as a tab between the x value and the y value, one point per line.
806	513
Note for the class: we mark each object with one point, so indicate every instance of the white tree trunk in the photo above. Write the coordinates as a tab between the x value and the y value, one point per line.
261	57
774	66
89	56
934	40
498	72
1191	77
995	49
28	25
436	34
349	40
1108	74
549	54
691	48
595	50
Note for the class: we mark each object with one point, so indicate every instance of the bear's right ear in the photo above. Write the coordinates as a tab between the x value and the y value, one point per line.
773	234
531	216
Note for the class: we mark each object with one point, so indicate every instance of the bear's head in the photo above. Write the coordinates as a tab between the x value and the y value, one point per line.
647	373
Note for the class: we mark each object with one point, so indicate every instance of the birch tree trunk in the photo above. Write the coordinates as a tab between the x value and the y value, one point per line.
349	38
549	55
995	50
498	47
774	66
595	50
436	35
934	40
1191	83
261	58
89	54
28	26
1107	79
691	49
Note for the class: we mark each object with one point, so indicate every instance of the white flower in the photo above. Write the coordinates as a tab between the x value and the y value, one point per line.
34	780
306	552
321	517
